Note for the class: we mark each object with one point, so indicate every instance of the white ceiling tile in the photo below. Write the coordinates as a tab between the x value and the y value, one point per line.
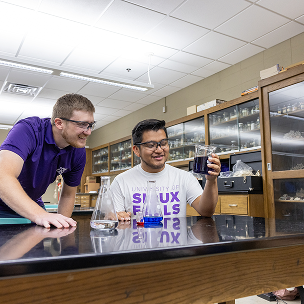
28	78
162	75
65	84
186	81
145	58
104	110
252	22
14	22
140	48
177	66
134	106
127	95
32	4
175	33
164	7
85	59
211	45
209	14
45	49
115	104
149	99
157	86
51	38
128	19
242	53
190	59
283	33
166	91
211	69
51	94
111	118
294	9
300	19
36	109
3	72
106	42
44	101
94	99
119	68
122	113
98	117
97	89
81	11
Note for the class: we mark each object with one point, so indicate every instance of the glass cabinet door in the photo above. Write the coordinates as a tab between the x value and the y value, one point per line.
249	125
287	128
176	142
120	156
223	130
183	137
194	133
236	128
100	160
289	198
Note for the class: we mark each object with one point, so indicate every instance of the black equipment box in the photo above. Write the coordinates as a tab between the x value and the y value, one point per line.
248	184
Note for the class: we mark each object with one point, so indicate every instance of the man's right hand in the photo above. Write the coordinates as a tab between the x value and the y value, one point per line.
124	216
58	220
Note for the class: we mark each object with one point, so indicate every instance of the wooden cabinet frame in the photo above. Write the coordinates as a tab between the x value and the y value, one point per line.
285	79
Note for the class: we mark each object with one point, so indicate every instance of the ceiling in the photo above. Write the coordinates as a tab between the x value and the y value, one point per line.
180	42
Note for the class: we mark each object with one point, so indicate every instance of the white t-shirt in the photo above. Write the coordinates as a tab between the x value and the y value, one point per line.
175	188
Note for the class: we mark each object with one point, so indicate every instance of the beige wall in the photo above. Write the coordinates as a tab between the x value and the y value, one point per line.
226	85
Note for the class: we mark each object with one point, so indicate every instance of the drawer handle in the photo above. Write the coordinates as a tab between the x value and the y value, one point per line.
233	205
228	185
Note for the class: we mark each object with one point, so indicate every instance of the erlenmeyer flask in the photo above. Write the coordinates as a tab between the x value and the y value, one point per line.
152	211
104	215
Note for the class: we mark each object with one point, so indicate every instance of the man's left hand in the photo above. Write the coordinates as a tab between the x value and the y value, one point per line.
215	165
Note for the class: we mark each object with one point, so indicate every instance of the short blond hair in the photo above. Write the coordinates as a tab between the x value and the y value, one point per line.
66	104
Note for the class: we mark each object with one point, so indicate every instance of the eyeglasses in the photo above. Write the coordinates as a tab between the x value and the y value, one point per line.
82	124
153	145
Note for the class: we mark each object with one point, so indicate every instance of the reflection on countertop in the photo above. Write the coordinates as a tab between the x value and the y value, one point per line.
47	250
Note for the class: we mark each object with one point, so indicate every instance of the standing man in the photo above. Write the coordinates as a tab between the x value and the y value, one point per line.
175	187
36	151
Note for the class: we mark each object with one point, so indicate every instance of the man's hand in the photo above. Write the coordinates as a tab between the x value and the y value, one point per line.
124	216
58	220
215	166
52	233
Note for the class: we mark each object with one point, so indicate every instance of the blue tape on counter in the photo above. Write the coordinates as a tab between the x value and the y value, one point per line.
6	221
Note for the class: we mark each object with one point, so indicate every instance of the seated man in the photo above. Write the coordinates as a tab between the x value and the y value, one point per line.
175	187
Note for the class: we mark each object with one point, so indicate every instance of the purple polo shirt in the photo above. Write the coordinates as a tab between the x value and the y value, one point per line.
32	139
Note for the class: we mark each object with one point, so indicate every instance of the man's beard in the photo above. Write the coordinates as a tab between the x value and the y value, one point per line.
71	141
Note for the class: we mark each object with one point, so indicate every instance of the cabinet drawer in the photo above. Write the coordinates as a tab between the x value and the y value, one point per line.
85	204
85	197
234	204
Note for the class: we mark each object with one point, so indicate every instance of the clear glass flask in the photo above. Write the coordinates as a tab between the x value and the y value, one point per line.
152	212
104	215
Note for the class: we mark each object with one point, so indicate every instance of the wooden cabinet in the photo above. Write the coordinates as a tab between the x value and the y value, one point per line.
237	204
242	204
282	98
86	200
